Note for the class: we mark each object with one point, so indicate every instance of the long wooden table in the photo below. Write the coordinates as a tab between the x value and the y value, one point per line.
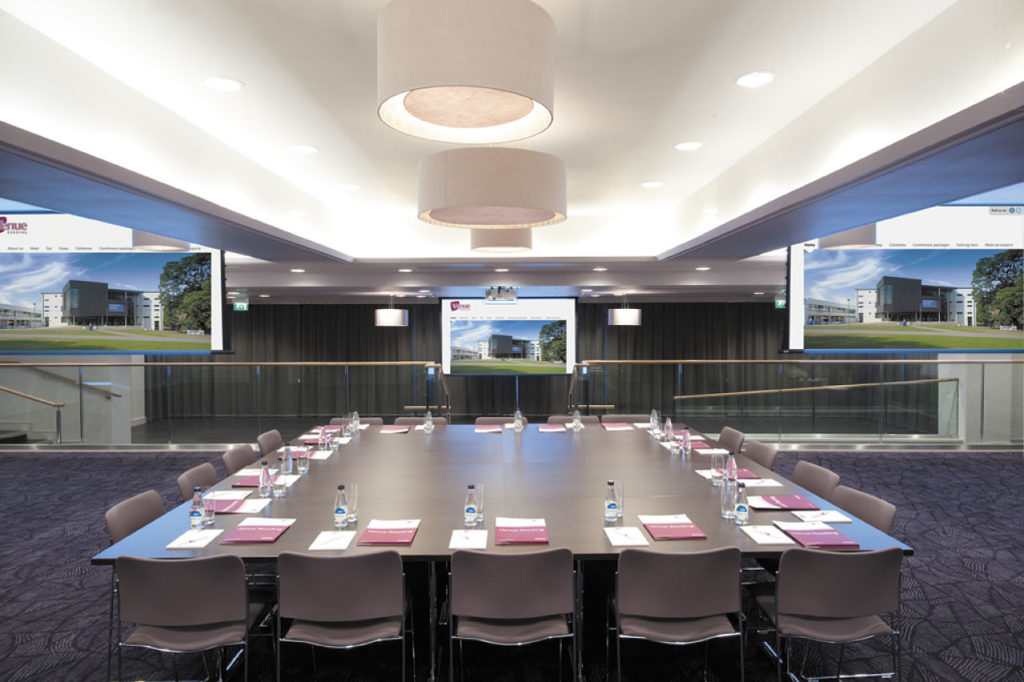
560	477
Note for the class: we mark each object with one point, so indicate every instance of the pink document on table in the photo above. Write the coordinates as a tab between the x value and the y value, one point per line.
394	429
488	428
551	428
510	531
817	534
257	530
616	426
740	473
398	532
671	527
780	502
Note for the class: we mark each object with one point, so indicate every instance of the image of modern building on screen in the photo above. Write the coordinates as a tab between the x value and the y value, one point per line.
83	303
904	299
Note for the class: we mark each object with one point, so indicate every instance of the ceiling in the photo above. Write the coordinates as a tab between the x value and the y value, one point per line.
878	108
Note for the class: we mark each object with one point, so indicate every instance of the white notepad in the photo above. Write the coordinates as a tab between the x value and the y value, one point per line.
227	494
767	535
823	515
468	539
195	539
333	539
625	536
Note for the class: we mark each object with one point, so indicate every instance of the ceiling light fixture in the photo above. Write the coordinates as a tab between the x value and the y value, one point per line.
264	295
702	268
489	188
755	79
468	72
652	184
391	316
222	84
297	270
405	269
624	316
501	241
501	269
146	241
600	269
691	146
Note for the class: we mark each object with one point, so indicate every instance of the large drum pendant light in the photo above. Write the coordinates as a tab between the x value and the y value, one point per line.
501	241
465	71
489	188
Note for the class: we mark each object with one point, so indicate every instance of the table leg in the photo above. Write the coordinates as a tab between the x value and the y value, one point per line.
432	626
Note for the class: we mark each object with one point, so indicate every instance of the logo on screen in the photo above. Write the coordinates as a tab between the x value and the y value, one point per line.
12	228
459	306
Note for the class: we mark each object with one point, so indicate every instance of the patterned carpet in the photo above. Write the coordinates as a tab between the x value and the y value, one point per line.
963	590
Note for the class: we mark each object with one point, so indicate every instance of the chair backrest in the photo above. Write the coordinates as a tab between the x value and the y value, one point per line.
567	419
237	458
512	586
414	421
866	507
269	441
761	453
340	588
203	475
625	418
821	584
491	421
127	516
372	421
690	585
731	439
182	592
817	479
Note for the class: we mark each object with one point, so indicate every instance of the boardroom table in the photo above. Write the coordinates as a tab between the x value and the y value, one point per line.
558	476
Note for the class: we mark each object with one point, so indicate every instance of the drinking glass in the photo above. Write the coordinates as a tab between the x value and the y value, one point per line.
728	498
717	469
620	495
480	503
211	513
353	502
302	462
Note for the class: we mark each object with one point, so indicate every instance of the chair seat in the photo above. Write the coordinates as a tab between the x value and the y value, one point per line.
344	634
184	639
524	631
824	629
676	631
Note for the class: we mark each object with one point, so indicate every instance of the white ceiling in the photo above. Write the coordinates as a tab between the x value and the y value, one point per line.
121	80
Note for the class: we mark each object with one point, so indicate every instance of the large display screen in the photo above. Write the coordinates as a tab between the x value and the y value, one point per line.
140	303
924	287
525	336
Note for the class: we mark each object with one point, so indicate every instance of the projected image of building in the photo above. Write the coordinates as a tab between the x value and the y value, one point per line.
82	303
504	346
17	317
903	299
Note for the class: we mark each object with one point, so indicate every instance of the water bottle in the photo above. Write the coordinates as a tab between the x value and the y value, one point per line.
742	510
197	512
517	421
686	441
666	432
611	503
355	422
654	420
264	480
428	422
577	423
287	463
340	507
730	467
471	506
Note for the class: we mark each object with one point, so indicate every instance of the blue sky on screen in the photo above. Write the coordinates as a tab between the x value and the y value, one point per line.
466	333
833	275
24	277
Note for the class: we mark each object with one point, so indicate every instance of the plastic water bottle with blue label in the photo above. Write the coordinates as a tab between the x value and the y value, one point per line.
428	423
197	512
471	506
611	503
340	507
517	421
742	511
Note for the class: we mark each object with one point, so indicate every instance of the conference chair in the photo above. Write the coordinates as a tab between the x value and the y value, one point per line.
342	602
731	439
761	453
184	606
123	519
567	419
203	475
866	507
492	421
817	479
626	418
237	458
678	599
835	598
269	441
416	421
511	600
372	421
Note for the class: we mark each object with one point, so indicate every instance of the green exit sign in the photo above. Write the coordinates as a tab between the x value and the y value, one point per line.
779	303
242	306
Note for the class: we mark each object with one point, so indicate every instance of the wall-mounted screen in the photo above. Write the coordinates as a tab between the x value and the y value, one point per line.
948	281
110	302
525	336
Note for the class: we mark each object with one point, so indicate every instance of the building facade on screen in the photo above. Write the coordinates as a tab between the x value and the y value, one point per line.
17	317
898	299
82	303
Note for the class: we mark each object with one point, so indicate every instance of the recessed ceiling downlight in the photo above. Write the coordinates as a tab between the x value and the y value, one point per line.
755	79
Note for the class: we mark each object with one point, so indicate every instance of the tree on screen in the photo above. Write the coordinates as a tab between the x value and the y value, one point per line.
998	289
185	293
552	341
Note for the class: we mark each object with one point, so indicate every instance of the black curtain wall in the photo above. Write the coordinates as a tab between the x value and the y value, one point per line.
712	331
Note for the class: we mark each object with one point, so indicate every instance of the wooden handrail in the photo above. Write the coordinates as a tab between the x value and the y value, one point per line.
836	387
276	363
1012	360
37	399
61	377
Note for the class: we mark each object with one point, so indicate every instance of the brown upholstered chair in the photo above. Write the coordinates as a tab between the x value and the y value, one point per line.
866	507
761	453
184	606
835	598
816	479
203	475
678	598
342	602
269	441
512	599
237	458
123	519
731	439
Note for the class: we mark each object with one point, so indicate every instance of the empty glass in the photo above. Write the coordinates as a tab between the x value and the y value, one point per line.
302	461
717	469
480	503
728	498
353	502
211	513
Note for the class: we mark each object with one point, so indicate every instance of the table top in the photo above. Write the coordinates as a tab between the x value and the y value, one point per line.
561	477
